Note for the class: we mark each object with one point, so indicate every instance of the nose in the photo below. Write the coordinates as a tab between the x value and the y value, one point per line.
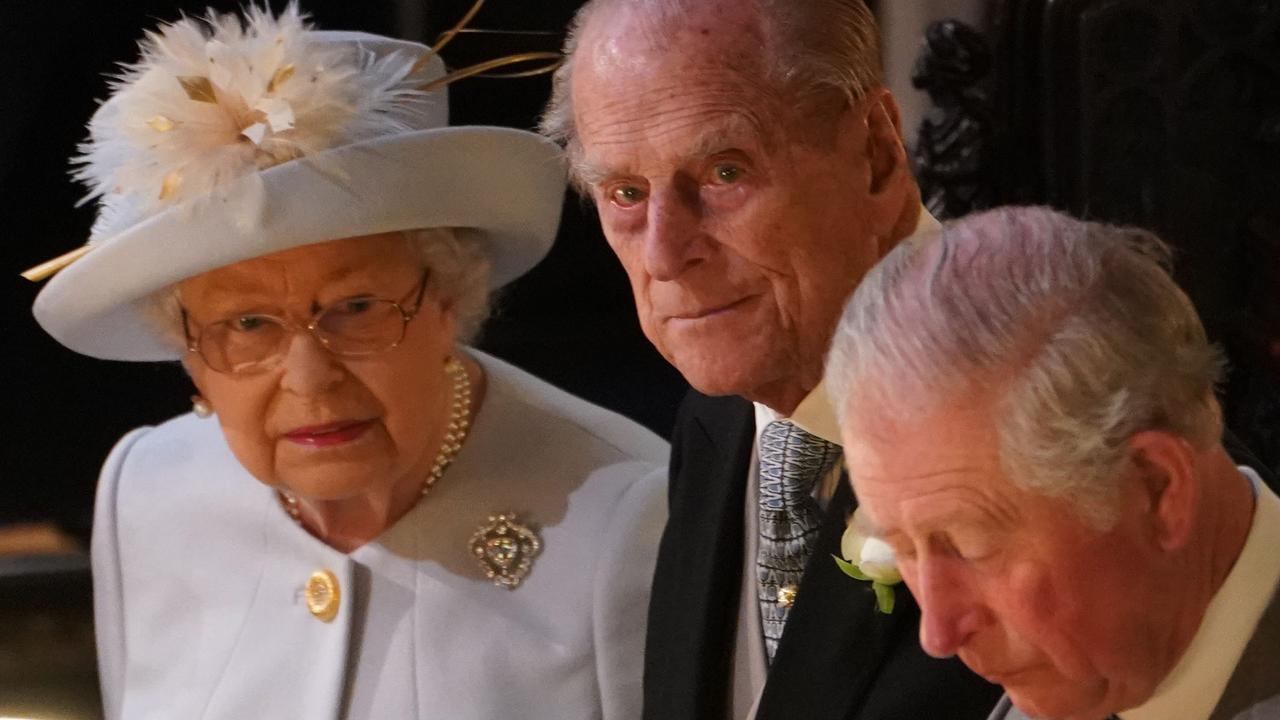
950	614
308	368
673	237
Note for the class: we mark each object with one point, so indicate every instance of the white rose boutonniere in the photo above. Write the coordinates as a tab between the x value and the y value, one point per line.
869	559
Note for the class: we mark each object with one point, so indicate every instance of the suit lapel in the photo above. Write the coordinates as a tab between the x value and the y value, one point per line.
693	610
835	638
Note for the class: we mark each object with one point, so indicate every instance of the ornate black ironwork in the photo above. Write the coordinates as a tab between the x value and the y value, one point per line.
952	155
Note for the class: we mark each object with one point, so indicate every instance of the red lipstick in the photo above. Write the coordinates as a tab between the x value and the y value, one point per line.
329	435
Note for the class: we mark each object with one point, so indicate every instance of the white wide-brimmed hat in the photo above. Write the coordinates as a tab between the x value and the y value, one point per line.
227	142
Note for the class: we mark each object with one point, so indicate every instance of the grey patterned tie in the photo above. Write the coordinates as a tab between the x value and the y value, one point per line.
791	461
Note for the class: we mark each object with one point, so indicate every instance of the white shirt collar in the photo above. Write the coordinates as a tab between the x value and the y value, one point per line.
1194	687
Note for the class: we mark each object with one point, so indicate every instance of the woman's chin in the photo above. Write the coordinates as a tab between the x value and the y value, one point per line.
332	478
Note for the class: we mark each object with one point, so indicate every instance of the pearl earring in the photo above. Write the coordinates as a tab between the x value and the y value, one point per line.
201	407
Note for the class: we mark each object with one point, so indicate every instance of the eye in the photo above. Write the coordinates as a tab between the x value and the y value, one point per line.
249	323
968	548
353	306
626	196
727	173
975	554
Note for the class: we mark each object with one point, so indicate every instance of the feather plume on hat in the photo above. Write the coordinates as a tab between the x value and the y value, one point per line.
229	140
212	101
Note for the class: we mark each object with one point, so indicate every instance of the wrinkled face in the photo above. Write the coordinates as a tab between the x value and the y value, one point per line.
740	232
327	427
1069	620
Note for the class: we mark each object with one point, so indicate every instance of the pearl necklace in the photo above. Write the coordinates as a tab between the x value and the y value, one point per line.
454	436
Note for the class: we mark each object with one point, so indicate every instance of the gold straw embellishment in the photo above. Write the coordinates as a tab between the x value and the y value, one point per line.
48	269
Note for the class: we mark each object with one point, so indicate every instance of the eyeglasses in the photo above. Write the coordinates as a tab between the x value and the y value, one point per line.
353	327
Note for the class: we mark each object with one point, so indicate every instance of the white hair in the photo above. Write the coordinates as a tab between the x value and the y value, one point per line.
1075	331
812	47
459	280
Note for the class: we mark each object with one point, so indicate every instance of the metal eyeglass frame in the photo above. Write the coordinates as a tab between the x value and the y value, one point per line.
193	342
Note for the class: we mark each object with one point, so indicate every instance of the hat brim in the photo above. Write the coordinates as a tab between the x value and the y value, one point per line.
505	185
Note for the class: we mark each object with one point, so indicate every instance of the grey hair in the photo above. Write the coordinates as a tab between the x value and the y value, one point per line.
459	280
813	47
1075	331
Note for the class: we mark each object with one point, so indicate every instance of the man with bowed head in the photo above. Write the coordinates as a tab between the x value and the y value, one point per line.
748	169
1029	420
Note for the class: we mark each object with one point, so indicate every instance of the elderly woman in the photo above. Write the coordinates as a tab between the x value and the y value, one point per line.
361	518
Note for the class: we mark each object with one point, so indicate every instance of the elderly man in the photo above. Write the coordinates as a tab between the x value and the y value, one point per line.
1030	422
748	170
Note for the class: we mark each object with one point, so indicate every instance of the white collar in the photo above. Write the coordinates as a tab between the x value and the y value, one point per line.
814	414
1194	687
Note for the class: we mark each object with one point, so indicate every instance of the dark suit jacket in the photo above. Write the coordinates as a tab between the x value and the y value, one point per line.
839	658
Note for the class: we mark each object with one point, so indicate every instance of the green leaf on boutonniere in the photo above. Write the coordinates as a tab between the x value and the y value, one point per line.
869	559
884	597
850	569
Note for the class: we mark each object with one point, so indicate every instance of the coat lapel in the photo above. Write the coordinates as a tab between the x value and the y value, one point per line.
835	640
693	610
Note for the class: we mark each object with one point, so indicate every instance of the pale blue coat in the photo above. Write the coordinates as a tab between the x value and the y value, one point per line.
198	578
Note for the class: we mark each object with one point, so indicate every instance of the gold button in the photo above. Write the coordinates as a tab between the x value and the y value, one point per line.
323	595
787	596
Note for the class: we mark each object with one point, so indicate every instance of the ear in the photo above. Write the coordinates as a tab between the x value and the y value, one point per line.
441	313
892	199
1167	477
885	152
445	309
196	370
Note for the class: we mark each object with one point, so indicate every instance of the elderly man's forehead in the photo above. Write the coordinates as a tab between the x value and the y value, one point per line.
698	79
950	450
622	35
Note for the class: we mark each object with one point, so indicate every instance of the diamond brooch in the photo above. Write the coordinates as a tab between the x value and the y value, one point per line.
505	549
